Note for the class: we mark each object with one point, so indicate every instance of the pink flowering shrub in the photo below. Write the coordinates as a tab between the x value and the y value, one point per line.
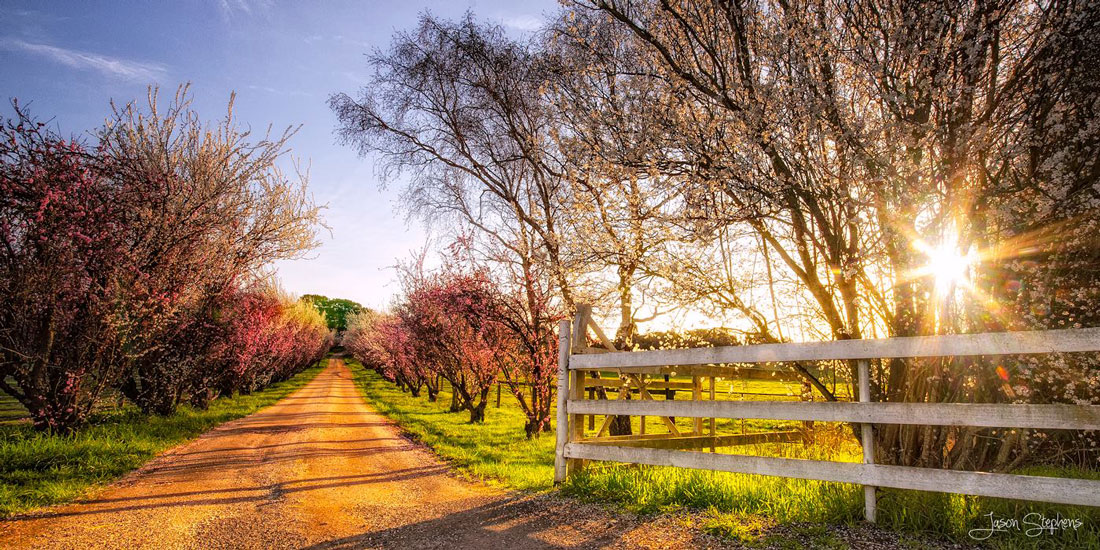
127	265
384	343
270	339
63	269
461	326
453	330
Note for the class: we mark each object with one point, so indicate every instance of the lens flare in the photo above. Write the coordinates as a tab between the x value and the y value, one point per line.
949	267
947	263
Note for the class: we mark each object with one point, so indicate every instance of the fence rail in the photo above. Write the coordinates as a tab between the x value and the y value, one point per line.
577	360
1038	488
957	345
1051	417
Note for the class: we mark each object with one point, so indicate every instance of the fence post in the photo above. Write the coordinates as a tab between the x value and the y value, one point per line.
575	382
576	421
564	340
868	440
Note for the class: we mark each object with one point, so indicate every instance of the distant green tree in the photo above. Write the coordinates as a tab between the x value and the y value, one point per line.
336	310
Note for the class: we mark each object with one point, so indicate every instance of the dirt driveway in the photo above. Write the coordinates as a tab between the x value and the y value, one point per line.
321	469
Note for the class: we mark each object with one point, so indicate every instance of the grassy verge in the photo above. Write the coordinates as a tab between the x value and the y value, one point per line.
38	469
736	505
495	451
744	506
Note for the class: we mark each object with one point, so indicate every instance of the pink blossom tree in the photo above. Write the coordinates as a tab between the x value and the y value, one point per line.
63	264
449	316
119	262
530	365
210	208
385	343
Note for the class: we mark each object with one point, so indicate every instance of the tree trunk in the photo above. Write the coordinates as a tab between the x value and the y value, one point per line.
670	395
620	425
455	405
628	329
536	425
200	399
477	412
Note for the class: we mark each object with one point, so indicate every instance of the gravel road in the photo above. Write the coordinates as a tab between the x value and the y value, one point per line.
321	469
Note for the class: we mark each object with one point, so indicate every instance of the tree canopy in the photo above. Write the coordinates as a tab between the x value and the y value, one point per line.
335	310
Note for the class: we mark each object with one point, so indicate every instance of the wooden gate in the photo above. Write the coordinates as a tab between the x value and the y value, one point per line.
580	365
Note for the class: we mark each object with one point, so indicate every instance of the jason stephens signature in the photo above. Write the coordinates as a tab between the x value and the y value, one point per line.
1033	525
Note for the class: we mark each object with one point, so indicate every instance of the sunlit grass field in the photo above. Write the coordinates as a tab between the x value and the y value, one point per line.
495	451
737	505
11	412
38	469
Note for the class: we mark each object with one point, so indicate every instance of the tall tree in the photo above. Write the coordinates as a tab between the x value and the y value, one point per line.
609	127
457	104
860	146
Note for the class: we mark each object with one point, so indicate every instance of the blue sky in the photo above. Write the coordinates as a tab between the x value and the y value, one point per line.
68	60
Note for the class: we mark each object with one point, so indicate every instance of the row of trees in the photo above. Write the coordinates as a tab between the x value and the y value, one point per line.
457	325
131	263
805	169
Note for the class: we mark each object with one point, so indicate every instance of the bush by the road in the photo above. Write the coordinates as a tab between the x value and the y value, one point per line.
460	326
134	264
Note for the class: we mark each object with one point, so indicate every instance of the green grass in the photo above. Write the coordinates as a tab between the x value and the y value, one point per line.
38	469
952	516
11	412
495	451
735	505
664	489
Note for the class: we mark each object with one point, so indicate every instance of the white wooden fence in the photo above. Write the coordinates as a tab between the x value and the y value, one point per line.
576	359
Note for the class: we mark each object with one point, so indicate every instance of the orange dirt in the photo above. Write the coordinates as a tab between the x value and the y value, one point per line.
321	469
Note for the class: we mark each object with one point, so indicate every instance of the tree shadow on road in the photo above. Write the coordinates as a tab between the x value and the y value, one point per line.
288	444
235	495
517	522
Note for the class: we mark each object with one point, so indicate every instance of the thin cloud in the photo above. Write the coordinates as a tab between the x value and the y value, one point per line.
110	66
247	8
36	15
526	23
278	91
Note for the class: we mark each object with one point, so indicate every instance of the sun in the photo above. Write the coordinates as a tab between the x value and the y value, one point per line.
948	266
